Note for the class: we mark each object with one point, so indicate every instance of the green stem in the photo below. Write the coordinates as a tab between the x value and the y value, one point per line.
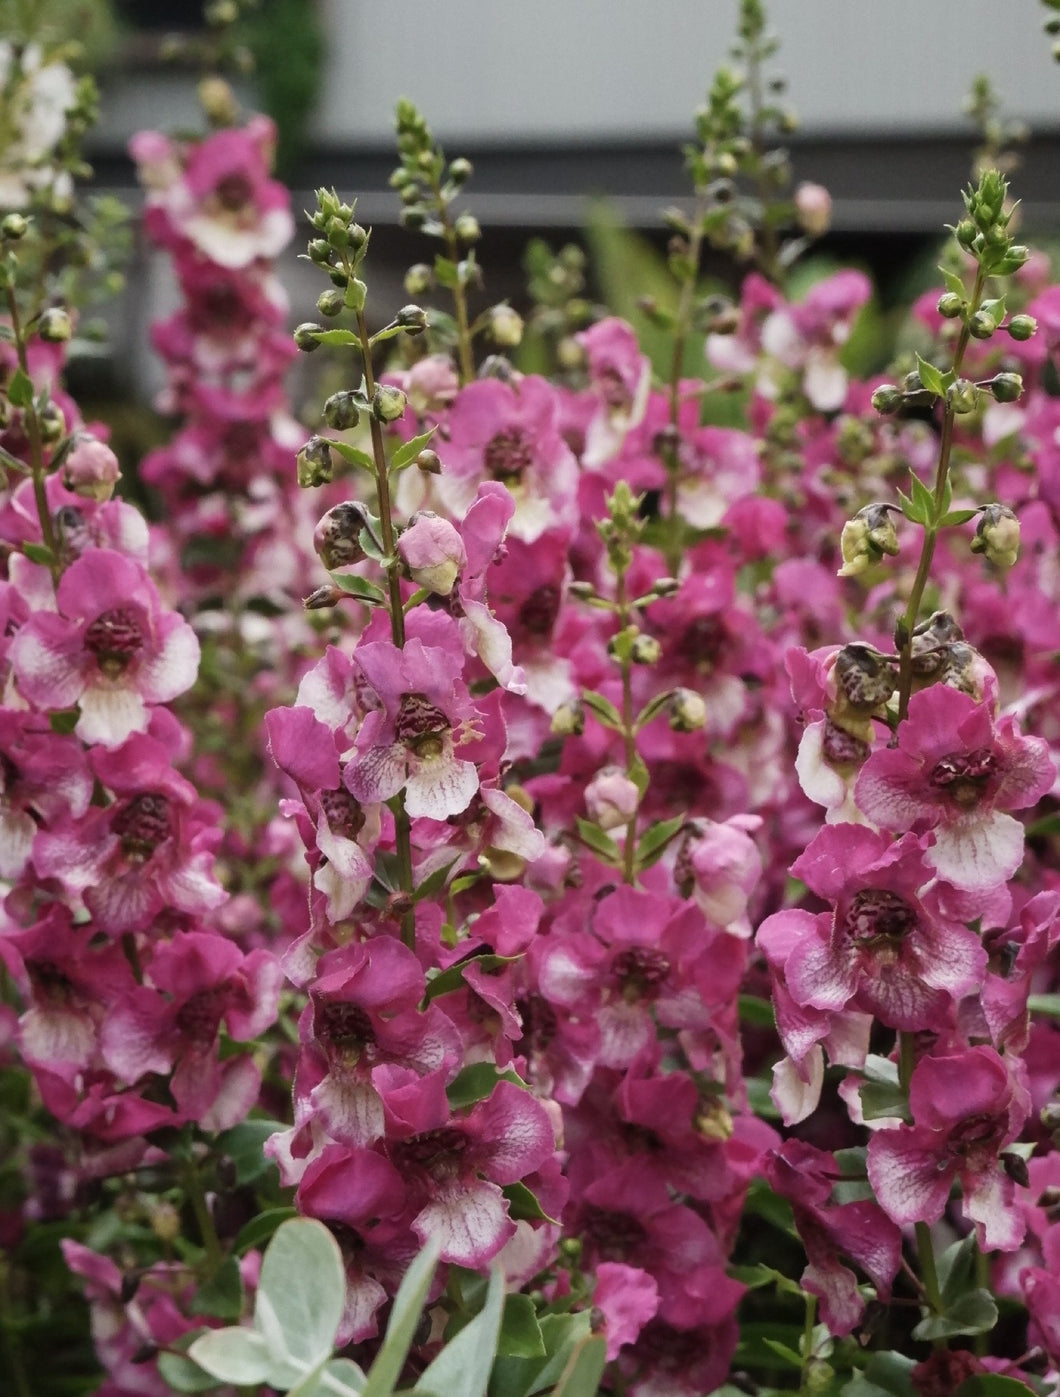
193	1191
9	1339
402	824
629	732
682	328
36	445
908	623
465	357
807	1336
767	254
925	1247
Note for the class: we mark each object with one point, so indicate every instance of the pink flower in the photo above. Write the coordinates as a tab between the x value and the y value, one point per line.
42	778
956	771
111	649
966	1108
432	551
620	377
627	1297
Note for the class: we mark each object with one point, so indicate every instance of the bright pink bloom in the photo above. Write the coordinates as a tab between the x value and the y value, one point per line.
966	1108
956	771
111	649
627	1297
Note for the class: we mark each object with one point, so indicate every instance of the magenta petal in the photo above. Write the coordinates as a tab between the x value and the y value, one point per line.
514	1133
469	1219
910	1178
349	1185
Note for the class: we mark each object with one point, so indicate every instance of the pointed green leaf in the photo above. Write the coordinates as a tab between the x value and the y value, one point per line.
957	516
445	273
304	1281
599	841
923	499
409	450
352	454
953	282
603	709
520	1335
64	720
388	332
39	553
462	1368
434	882
244	1145
260	1228
20	389
930	377
655	838
404	1319
476	1081
523	1204
344	1370
973	1313
581	1377
221	1295
450	979
337	337
359	587
179	1371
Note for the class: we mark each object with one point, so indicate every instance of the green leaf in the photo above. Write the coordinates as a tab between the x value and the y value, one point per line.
356	586
788	1357
235	1355
522	1377
953	282
346	1371
957	516
655	838
462	1368
652	707
755	1011
260	1228
520	1335
434	882
638	774
179	1371
599	841
930	377
882	1099
602	709
65	720
404	1319
39	553
974	1313
523	1203
243	1143
388	332
221	1295
956	1269
20	389
352	454
409	450
337	337
581	1377
923	501
445	272
476	1081
446	981
304	1283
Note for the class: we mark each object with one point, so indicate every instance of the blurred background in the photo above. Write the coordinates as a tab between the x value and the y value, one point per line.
574	115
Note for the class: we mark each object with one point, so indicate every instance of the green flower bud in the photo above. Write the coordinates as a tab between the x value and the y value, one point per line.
466	228
314	463
341	411
997	535
418	279
966	233
331	302
982	325
1016	256
950	305
52	424
1006	387
55	325
963	396
887	398
506	326
1022	327
569	719
646	650
688	711
319	251
14	227
428	461
412	319
388	403
460	170
305	336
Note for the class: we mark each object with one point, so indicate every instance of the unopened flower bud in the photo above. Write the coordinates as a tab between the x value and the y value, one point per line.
611	798
950	305
963	396
418	279
645	650
1006	387
305	336
982	325
331	302
429	462
688	711
1015	257
460	170
412	319
887	398
337	536
218	101
324	598
1015	1166
52	424
433	552
55	325
865	539
813	209
388	403
13	227
1022	327
314	463
165	1221
91	469
569	719
506	326
997	535
467	228
966	232
341	411
666	587
319	251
